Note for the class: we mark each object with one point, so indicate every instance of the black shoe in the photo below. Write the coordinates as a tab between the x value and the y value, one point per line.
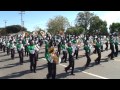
65	70
112	59
31	70
96	62
65	62
34	71
48	76
86	66
21	63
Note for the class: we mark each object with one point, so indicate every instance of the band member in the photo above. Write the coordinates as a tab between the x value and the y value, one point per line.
12	48
26	48
116	46
46	47
98	49
87	53
37	50
71	59
3	45
20	49
75	46
111	55
64	49
51	43
59	47
106	43
8	48
32	52
101	42
94	44
25	45
52	61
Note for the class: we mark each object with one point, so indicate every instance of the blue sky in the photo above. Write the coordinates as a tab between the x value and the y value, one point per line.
40	18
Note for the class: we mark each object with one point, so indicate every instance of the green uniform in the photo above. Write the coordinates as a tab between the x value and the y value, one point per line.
31	49
48	57
70	50
11	46
19	47
98	45
63	46
17	40
111	41
87	48
46	47
24	41
116	42
8	44
107	39
74	41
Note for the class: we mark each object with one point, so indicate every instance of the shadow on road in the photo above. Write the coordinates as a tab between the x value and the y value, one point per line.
41	52
80	69
21	73
10	66
3	60
1	52
16	74
41	57
41	67
4	55
64	75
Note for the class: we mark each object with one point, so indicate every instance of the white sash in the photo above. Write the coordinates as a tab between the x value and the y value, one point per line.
32	51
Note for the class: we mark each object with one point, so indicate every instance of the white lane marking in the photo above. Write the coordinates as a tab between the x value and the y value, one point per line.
88	73
95	75
63	65
116	59
85	72
43	58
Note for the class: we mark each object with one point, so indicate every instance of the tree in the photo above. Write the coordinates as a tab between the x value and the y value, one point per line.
2	31
57	24
114	27
14	29
103	28
83	19
75	30
98	26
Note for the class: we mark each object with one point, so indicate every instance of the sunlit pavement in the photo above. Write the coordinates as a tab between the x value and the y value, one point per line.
108	69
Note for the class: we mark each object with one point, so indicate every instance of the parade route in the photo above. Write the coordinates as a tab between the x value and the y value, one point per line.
60	45
108	69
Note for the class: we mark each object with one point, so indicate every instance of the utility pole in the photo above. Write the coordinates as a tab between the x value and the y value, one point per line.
22	22
5	22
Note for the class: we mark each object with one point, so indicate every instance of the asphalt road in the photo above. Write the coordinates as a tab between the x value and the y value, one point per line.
108	69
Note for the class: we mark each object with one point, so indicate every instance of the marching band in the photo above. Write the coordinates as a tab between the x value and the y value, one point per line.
69	45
